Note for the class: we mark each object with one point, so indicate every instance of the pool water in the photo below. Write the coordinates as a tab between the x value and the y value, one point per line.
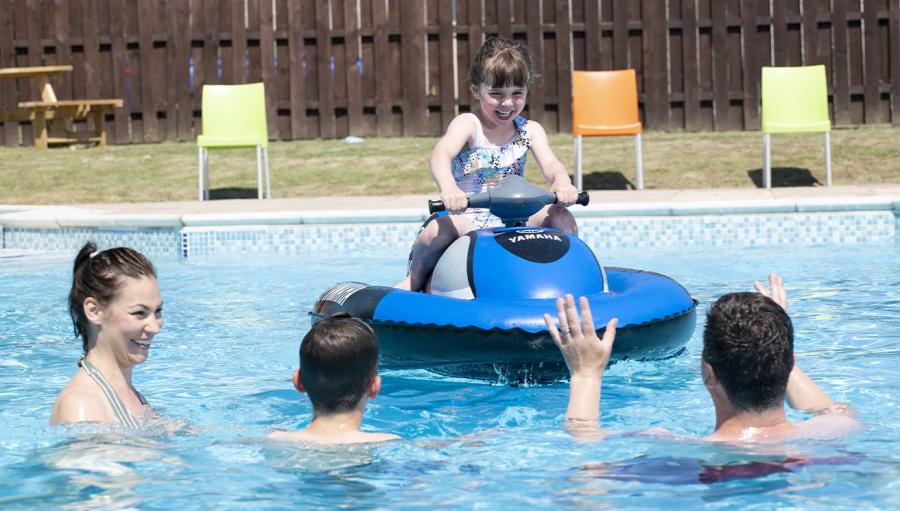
223	362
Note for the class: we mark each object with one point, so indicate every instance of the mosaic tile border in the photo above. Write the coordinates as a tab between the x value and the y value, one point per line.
839	227
152	242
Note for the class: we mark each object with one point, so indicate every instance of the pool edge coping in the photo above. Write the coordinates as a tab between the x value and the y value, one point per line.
61	217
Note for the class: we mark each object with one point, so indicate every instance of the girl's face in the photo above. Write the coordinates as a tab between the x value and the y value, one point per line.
129	323
501	104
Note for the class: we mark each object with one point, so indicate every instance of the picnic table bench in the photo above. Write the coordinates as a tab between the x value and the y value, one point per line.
49	108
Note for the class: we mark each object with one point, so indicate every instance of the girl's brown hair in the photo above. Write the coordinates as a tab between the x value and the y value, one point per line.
502	62
99	275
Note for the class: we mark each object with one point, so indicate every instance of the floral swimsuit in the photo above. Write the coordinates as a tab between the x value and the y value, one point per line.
483	166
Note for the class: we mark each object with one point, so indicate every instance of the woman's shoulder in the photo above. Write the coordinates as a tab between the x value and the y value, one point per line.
79	402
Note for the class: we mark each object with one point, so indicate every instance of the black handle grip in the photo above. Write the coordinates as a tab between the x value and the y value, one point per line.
583	199
435	205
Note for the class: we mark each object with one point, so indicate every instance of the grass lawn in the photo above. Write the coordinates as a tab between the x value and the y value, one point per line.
386	166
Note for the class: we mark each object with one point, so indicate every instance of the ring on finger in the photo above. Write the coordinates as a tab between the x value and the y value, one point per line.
564	331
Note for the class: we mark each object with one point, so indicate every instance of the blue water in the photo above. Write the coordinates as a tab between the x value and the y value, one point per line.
223	361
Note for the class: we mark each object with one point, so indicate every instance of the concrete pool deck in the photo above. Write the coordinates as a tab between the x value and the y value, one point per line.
411	208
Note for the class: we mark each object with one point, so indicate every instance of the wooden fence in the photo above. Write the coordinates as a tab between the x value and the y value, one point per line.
398	67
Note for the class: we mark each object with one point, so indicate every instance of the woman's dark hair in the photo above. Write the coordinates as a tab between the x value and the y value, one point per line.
502	62
99	275
338	359
749	342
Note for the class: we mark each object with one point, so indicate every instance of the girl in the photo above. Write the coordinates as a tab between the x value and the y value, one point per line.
483	147
116	309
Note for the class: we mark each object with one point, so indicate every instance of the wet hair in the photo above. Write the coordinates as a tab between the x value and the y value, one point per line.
99	275
502	62
749	342
338	359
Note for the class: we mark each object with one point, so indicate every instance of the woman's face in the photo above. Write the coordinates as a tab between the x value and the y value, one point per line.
131	320
501	105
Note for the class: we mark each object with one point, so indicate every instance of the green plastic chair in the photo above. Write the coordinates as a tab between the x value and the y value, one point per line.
794	100
234	116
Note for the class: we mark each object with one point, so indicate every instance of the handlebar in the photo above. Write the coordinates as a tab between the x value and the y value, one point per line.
435	206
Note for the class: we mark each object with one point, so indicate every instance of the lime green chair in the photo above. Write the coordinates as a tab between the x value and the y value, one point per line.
794	100
234	116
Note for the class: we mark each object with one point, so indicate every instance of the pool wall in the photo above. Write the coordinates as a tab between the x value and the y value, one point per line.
693	224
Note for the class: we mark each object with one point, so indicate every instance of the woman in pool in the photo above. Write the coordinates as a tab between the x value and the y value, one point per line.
116	309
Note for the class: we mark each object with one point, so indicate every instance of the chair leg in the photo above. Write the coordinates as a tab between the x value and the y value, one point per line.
578	183
767	162
205	173
268	181
259	184
200	172
828	158
638	162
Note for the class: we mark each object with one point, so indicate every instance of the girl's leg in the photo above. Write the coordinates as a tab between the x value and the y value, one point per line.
435	237
555	217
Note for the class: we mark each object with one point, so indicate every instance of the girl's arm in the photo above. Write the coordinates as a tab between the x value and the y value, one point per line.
458	135
553	170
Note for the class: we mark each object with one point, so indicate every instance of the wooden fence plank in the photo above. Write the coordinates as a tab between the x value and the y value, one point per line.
267	64
120	132
324	65
751	64
894	42
180	108
779	31
298	80
413	63
91	49
448	80
841	72
563	67
620	34
353	68
149	81
504	18
654	36
535	41
238	44
872	59
592	35
381	67
721	110
691	67
10	134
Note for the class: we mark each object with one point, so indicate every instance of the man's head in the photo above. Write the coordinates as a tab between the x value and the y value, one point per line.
749	344
338	364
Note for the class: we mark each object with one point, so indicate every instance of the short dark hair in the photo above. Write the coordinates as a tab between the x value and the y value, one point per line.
99	275
338	359
749	342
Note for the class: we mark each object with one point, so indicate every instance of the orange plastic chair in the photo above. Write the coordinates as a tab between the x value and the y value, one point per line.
604	104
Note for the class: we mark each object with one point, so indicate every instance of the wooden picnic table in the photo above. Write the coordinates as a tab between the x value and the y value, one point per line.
49	108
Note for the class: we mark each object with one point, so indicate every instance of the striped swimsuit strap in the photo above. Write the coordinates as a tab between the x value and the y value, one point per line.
122	413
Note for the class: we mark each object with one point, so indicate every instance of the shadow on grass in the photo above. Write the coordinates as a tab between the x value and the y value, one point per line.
232	193
606	180
785	176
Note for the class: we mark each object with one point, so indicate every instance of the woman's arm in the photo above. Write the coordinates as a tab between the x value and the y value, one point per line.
586	356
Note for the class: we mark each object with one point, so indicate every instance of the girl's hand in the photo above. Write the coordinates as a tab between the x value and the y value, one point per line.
455	200
566	193
584	352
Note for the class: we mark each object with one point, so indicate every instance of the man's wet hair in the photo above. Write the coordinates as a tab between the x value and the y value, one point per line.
749	342
338	359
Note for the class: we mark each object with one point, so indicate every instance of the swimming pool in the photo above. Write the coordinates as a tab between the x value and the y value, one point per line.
223	363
